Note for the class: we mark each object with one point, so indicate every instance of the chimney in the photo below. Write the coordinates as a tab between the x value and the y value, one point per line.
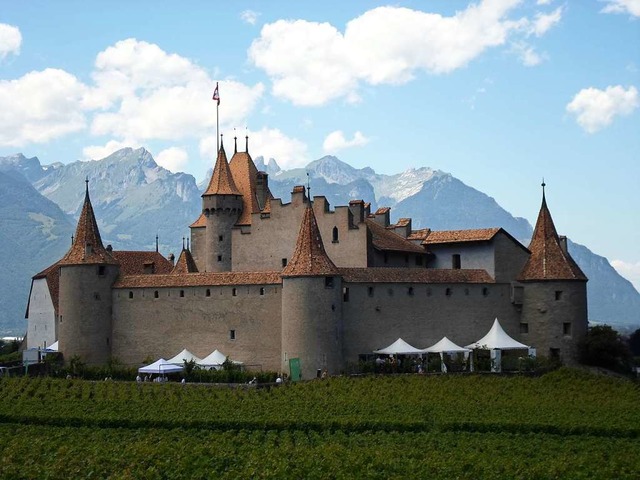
563	244
172	258
262	187
298	196
357	209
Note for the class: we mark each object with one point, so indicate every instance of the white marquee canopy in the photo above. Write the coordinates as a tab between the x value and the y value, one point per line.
399	347
445	346
160	366
184	356
497	339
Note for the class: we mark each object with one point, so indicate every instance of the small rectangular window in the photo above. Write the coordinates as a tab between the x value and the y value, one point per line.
234	292
261	290
156	294
410	291
328	282
566	329
232	334
207	293
284	262
102	270
345	294
558	294
370	291
448	292
220	238
182	293
96	296
455	261
219	258
130	294
524	328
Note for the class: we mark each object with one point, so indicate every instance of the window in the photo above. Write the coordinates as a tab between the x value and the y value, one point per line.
455	261
220	238
418	260
485	291
102	270
335	235
156	294
130	294
406	259
232	334
345	294
107	340
207	293
448	292
234	292
524	328
370	291
554	353
182	293
261	290
386	257
558	294
566	329
284	262
96	296
328	282
219	258
410	291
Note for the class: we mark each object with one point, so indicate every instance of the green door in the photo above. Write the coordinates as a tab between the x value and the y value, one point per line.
294	369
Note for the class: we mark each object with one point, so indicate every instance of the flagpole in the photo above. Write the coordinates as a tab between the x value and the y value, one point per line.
217	129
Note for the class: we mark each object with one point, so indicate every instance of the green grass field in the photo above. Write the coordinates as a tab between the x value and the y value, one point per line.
565	424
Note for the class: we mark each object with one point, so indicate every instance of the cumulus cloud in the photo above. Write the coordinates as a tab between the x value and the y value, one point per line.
336	141
40	106
595	109
267	142
527	54
249	16
629	270
173	159
631	7
10	40
312	63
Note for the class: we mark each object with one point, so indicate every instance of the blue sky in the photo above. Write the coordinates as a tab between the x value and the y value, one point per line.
500	93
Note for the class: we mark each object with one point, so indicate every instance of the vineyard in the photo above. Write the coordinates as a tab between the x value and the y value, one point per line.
565	424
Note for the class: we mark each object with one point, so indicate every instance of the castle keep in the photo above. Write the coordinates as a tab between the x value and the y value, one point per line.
265	281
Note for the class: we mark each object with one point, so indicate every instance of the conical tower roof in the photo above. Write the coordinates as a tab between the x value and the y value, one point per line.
221	182
185	263
548	260
309	257
87	245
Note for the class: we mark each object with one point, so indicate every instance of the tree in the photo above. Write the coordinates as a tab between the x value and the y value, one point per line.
634	343
602	346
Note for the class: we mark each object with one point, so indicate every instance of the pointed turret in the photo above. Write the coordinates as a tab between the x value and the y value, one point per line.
185	263
548	260
221	182
309	257
87	245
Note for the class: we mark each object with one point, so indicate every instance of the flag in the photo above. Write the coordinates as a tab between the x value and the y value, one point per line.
216	95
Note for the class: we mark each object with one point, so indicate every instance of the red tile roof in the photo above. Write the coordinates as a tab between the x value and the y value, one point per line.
245	174
203	279
419	234
456	236
382	210
309	257
384	239
413	275
185	263
221	182
200	222
87	245
548	261
134	262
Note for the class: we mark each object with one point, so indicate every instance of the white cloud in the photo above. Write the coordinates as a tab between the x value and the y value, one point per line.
267	142
336	141
527	54
40	106
312	63
173	158
10	40
631	271
632	7
97	152
250	17
543	2
595	109
544	22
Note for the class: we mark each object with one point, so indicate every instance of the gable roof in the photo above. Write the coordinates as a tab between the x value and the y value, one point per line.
384	239
221	182
457	236
185	263
548	260
87	245
245	173
309	257
134	262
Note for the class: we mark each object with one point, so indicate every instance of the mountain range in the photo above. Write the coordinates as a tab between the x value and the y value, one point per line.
135	199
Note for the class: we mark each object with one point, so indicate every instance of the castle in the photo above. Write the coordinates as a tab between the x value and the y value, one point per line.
266	281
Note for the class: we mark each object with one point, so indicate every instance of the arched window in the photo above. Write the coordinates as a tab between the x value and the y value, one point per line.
335	235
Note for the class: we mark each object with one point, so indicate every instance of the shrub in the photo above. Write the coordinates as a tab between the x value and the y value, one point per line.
602	346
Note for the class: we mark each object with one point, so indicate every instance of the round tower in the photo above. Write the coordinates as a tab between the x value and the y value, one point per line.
311	305
87	273
221	208
554	302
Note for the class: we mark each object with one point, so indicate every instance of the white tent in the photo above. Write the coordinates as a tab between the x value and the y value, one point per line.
399	347
53	347
496	341
214	359
160	366
446	346
184	356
